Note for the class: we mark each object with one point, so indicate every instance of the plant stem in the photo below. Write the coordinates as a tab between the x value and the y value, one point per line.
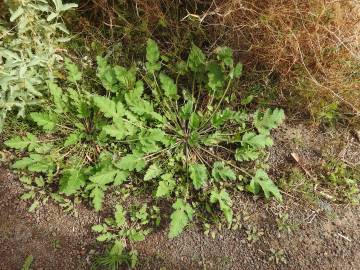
218	105
226	161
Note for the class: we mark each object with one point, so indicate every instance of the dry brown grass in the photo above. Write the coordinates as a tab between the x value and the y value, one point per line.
313	45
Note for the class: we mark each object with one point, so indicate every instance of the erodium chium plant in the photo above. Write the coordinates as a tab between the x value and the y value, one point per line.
169	129
177	132
30	52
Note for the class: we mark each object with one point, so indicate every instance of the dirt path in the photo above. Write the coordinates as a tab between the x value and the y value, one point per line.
325	238
54	239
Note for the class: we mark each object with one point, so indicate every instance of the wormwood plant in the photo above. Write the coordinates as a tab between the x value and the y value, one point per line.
179	139
29	52
61	160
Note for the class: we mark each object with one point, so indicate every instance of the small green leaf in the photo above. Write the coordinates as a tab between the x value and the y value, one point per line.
225	203
22	163
52	16
107	75
109	107
225	116
117	248
168	85
247	153
103	177
27	264
152	56
35	205
21	143
27	195
136	235
269	120
256	140
71	181
57	95
69	6
150	139
39	181
104	237
152	51
247	100
262	180
120	177
225	54
237	71
97	195
194	121
73	138
119	215
132	162
25	180
17	14
152	172
45	120
98	228
182	215
216	77
198	174
186	110
214	139
222	172
166	186
139	105
74	73
196	60
120	129
127	78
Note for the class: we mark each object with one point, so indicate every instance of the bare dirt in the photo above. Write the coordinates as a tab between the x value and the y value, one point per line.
325	236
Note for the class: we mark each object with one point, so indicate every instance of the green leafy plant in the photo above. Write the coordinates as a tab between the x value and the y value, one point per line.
121	230
277	256
30	52
284	224
343	179
117	256
180	138
27	264
253	234
181	135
